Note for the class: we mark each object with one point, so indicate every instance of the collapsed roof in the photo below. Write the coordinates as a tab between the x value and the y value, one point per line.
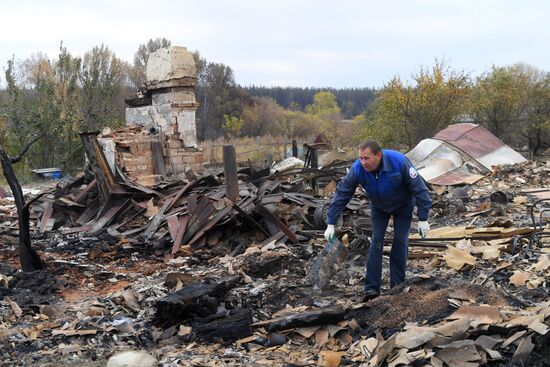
461	154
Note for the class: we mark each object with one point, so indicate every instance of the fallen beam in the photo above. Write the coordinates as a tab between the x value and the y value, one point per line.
236	324
230	172
262	210
322	316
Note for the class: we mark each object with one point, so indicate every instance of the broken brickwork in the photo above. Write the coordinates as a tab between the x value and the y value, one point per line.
159	141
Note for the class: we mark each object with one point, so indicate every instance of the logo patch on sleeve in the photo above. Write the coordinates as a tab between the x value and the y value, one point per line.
412	172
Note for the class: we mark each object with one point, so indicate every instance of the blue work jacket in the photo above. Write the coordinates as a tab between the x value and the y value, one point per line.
396	185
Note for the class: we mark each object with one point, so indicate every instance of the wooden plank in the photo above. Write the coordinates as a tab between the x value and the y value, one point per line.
230	172
46	216
82	194
156	221
89	213
158	159
190	175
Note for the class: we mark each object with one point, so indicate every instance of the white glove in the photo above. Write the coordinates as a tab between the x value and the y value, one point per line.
423	228
329	233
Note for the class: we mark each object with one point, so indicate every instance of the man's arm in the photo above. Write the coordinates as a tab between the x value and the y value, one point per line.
344	193
418	187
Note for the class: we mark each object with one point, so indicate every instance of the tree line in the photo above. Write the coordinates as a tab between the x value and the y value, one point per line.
56	98
352	101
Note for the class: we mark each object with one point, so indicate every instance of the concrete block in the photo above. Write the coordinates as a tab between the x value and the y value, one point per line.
170	63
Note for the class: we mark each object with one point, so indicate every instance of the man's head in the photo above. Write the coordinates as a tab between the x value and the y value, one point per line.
370	155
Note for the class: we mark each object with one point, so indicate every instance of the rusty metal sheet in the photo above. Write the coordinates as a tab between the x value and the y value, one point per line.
211	223
182	227
303	199
456	178
183	190
199	217
111	211
173	223
192	201
474	140
538	193
455	131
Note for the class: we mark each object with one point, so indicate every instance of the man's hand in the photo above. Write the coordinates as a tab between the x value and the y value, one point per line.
423	228
329	233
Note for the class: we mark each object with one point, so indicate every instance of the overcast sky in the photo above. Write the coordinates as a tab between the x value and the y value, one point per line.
293	43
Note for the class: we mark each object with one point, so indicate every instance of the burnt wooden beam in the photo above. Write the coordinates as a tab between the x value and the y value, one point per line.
230	172
195	300
158	159
322	316
230	326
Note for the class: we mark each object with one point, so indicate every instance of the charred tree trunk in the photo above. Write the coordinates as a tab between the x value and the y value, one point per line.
29	259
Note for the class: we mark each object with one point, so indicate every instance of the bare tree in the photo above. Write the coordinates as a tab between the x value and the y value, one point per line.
29	259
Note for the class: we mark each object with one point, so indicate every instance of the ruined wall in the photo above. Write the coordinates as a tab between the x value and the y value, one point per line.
169	120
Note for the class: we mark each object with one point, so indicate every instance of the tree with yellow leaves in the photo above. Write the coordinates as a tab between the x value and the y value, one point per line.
406	113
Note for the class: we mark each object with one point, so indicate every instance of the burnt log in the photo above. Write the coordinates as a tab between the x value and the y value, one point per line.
322	316
195	300
228	326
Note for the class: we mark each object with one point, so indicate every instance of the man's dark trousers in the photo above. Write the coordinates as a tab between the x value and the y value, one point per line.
402	219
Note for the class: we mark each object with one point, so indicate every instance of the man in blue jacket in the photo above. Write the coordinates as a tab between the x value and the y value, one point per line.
394	188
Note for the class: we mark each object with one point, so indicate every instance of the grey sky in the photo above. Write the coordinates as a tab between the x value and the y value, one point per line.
297	43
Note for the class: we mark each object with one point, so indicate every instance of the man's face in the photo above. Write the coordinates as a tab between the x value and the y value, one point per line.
369	160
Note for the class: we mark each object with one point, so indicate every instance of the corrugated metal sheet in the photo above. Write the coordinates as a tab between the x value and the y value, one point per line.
454	132
461	154
474	140
502	155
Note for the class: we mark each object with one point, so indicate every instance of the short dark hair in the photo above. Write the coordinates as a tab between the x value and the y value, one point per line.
373	145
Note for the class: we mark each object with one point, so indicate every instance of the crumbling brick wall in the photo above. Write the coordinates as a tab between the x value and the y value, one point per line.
133	153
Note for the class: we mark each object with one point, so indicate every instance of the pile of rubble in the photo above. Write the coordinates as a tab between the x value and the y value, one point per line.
215	271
